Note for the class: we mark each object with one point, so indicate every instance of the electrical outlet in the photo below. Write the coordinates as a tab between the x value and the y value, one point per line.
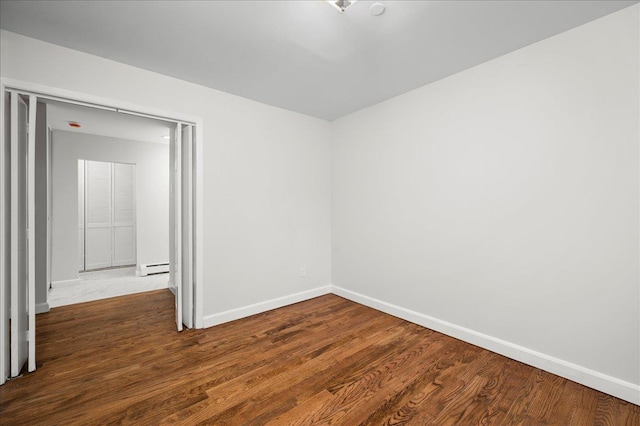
303	272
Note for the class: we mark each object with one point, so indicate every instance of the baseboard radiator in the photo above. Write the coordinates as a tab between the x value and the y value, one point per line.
153	268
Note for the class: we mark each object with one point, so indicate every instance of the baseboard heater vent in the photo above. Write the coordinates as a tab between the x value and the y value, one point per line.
154	268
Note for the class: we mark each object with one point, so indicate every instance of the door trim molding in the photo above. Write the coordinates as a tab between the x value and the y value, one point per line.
42	308
64	283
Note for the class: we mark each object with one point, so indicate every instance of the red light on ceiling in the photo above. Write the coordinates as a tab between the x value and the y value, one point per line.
75	125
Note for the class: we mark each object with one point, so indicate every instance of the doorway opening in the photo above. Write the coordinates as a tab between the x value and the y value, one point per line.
112	213
18	170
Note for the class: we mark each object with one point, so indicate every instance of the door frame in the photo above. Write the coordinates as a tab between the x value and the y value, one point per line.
119	105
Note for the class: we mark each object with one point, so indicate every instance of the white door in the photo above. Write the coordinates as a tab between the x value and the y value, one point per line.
22	226
19	314
81	266
5	241
177	229
97	215
124	214
187	226
181	223
109	215
31	224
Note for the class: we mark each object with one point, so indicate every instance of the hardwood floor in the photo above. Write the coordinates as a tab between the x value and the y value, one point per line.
323	361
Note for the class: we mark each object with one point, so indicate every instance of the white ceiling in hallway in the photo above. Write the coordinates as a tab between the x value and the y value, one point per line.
106	123
304	56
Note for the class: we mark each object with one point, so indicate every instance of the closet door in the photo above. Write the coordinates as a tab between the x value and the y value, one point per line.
187	226
19	228
98	220
81	215
124	219
22	216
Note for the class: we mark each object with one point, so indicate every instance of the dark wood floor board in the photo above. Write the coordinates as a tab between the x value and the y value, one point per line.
256	375
301	413
629	414
611	411
416	361
538	401
402	407
457	383
425	393
583	411
373	388
467	398
317	373
323	361
282	372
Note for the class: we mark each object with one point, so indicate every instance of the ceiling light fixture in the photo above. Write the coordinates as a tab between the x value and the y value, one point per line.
341	5
165	137
376	9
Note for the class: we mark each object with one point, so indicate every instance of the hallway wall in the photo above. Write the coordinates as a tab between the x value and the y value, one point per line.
152	195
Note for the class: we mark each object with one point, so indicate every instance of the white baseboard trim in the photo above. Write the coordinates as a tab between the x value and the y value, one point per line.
257	308
41	308
585	376
64	283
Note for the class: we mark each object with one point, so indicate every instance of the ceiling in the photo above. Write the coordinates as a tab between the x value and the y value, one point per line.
303	56
105	123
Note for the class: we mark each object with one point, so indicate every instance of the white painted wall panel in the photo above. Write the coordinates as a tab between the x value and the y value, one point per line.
504	199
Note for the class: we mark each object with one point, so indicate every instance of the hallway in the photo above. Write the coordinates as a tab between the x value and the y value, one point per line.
105	284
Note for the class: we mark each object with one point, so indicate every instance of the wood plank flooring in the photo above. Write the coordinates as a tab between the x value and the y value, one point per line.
323	361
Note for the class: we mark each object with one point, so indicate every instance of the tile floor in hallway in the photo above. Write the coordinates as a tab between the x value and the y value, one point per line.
105	284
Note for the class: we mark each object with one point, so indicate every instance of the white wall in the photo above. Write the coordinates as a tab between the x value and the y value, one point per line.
503	201
266	171
152	195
